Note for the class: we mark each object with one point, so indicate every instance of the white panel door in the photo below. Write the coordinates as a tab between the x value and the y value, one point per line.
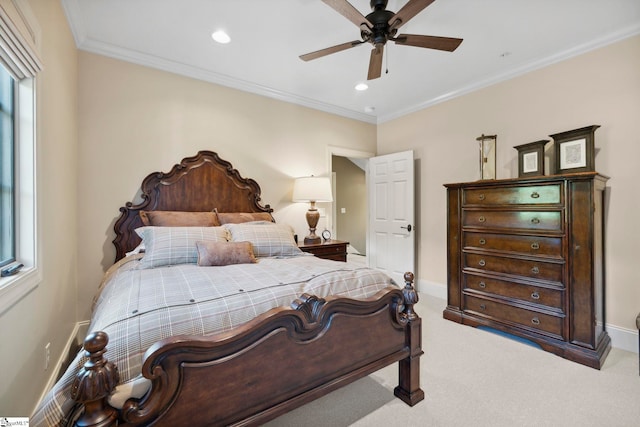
391	214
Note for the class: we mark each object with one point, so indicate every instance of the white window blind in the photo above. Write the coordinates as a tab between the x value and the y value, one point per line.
16	53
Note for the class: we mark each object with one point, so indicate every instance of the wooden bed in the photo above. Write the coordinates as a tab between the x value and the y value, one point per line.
278	361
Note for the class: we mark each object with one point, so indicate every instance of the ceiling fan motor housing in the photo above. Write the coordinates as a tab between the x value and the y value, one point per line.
380	19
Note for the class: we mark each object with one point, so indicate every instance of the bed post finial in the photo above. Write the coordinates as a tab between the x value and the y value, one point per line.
410	296
93	384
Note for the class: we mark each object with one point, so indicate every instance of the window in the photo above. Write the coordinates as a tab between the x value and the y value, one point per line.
19	65
7	193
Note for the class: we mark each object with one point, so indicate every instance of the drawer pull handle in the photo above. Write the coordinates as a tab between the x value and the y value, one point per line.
481	197
535	195
535	270
535	295
482	263
482	241
535	221
535	321
482	219
482	285
483	307
535	246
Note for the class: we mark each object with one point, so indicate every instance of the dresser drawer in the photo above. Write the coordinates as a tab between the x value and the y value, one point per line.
549	194
538	270
507	314
520	220
520	291
529	245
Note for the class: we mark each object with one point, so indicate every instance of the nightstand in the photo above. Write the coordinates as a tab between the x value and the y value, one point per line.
329	249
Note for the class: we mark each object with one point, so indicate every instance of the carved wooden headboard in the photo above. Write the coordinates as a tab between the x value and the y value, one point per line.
197	184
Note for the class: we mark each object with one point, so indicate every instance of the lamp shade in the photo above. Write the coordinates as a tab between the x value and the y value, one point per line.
312	189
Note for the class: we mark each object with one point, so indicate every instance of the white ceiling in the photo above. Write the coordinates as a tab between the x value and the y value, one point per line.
502	39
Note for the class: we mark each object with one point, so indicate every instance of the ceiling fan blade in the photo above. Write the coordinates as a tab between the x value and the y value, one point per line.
346	9
327	51
448	44
408	11
375	63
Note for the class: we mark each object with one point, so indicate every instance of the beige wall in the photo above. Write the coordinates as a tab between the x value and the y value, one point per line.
136	120
48	313
601	87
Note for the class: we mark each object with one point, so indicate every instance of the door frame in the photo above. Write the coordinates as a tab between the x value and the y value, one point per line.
333	150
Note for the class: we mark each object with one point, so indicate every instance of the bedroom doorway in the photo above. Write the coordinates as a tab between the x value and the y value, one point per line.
350	205
348	219
387	209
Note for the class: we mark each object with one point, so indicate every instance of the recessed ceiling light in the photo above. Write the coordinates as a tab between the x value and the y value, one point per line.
221	37
362	86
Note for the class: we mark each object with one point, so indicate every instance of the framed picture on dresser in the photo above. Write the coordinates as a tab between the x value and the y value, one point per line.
531	158
575	150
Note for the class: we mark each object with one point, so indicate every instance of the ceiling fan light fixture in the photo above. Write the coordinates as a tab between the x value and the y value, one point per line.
221	37
361	87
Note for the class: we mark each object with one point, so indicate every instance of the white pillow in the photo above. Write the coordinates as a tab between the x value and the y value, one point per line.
268	239
176	245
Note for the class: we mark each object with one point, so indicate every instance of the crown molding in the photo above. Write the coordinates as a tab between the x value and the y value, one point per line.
74	18
72	10
170	66
608	39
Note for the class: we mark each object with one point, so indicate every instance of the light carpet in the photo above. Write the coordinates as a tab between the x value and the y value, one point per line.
476	378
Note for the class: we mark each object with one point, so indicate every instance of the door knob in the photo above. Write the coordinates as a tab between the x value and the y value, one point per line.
408	227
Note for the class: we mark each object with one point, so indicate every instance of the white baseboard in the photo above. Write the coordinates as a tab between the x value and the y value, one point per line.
621	338
77	335
434	289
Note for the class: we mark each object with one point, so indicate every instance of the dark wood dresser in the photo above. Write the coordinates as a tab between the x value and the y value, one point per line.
328	249
526	256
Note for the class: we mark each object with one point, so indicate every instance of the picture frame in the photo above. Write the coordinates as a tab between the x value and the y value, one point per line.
531	158
575	150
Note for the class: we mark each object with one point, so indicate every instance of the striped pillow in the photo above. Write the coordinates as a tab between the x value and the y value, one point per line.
268	239
176	245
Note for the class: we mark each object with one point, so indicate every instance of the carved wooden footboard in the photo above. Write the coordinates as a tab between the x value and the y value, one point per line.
274	363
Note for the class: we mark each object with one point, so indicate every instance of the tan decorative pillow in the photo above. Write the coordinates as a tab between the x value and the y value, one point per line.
179	219
225	253
241	217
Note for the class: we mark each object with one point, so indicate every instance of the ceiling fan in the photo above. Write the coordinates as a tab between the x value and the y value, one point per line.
380	26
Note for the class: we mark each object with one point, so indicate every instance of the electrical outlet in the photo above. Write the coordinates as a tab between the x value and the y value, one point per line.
47	355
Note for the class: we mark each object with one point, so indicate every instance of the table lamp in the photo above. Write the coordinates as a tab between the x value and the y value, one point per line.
312	189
